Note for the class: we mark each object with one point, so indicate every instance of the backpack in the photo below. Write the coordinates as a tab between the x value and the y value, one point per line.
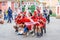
50	12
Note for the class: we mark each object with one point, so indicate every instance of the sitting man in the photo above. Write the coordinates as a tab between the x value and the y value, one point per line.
17	22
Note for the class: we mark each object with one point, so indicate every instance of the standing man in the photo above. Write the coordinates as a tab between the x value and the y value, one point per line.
10	15
48	16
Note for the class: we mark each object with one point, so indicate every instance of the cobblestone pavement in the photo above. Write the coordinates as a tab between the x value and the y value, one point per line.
53	32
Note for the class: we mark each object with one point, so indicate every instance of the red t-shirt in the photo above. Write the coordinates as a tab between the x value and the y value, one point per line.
25	19
41	23
35	19
17	19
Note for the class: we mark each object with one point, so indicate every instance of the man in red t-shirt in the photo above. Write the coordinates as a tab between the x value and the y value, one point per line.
17	21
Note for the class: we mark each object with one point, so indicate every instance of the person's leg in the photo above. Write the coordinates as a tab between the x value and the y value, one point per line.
44	28
48	18
7	17
41	31
4	17
26	31
34	27
37	31
16	28
33	30
10	20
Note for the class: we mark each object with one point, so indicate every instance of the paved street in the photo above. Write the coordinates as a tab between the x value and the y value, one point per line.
53	32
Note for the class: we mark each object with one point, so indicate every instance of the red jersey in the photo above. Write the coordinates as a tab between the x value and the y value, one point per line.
35	19
42	21
25	19
17	19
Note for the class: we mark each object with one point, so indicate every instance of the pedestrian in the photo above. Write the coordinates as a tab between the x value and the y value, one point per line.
48	16
10	15
5	15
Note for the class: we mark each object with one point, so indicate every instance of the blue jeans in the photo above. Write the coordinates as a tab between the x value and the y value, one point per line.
25	29
9	19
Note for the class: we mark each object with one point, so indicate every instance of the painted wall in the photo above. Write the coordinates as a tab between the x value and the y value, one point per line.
0	5
6	5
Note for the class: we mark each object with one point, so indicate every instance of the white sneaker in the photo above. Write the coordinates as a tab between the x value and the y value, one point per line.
27	34
33	34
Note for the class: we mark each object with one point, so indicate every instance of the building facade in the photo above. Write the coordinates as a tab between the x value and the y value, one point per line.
4	4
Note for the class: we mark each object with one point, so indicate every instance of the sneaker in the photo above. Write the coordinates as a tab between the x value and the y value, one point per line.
27	34
16	31
38	35
33	34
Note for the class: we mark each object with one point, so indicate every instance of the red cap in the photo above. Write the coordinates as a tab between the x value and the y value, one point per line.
35	13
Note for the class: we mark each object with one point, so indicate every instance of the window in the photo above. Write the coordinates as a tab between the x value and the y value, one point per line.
3	3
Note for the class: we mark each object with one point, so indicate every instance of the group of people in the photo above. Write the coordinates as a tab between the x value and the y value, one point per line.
28	23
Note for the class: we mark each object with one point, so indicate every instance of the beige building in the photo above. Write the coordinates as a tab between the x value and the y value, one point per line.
50	3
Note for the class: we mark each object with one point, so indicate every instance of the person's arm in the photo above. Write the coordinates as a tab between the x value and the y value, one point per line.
43	21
